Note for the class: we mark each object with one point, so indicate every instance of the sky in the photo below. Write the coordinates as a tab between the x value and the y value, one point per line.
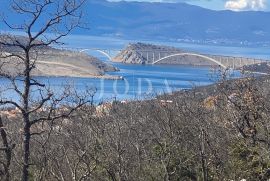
234	5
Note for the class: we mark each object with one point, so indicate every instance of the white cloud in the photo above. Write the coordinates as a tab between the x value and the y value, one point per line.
239	5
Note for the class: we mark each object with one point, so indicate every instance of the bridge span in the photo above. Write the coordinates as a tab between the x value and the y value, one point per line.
191	54
108	53
156	56
163	56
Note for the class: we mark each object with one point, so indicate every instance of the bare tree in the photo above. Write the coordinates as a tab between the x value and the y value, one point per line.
46	22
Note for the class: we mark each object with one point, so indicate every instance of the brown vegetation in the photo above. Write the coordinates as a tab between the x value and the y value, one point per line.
175	137
218	132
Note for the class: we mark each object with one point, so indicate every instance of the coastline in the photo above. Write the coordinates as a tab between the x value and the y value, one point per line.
106	76
251	72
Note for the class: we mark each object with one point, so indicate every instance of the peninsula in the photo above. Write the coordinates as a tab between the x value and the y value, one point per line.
50	61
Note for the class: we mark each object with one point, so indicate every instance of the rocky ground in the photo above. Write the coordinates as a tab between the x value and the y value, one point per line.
138	53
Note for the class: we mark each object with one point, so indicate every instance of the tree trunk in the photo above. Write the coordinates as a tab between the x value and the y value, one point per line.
27	124
203	162
26	152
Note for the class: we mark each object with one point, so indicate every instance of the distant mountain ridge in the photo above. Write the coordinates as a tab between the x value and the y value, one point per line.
174	21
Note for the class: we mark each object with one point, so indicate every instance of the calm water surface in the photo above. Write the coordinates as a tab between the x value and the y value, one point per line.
142	81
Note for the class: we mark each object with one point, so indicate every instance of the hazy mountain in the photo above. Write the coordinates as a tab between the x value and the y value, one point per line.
177	21
174	21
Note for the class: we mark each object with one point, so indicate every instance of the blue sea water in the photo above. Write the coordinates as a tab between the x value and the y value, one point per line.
140	82
143	81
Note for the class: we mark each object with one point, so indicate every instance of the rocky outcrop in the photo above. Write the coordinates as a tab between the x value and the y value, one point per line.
141	53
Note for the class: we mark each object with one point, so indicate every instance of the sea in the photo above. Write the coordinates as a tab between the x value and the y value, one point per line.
141	81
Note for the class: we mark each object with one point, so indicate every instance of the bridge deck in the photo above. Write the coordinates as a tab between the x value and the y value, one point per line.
161	56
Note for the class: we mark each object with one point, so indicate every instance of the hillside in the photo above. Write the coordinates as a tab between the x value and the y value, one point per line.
176	21
55	62
225	125
170	21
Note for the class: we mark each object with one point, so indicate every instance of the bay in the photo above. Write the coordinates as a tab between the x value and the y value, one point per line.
143	81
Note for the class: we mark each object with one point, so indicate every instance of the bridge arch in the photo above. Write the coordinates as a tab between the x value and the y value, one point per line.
100	51
192	54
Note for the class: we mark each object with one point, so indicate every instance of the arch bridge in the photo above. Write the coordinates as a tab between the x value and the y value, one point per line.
191	54
106	53
156	56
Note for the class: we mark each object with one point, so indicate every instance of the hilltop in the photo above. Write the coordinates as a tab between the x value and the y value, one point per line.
138	53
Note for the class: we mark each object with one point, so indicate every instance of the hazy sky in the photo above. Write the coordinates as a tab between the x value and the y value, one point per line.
235	5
